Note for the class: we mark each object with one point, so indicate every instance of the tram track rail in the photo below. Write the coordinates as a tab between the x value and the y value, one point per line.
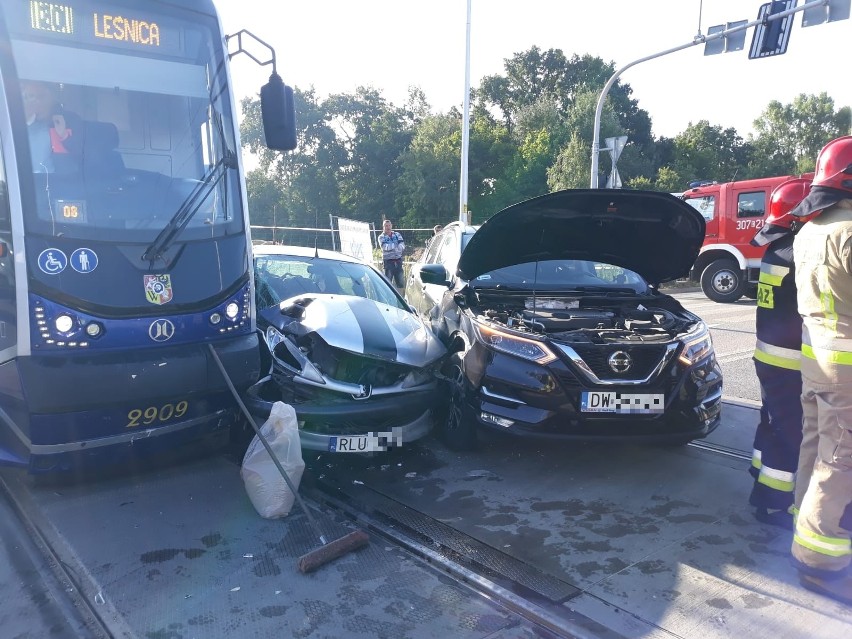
553	617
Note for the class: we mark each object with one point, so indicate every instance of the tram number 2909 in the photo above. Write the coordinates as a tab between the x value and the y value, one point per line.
156	414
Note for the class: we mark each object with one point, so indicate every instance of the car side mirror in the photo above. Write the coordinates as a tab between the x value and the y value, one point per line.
435	274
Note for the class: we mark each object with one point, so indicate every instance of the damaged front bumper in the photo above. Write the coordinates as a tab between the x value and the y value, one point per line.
331	422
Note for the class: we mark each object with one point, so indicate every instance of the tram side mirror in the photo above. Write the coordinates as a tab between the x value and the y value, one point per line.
278	110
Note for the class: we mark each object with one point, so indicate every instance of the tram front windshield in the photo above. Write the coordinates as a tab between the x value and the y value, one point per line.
128	120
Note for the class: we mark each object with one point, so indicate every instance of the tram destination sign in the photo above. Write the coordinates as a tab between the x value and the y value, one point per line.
102	24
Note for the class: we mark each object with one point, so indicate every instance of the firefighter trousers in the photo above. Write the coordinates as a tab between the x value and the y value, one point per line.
778	437
821	542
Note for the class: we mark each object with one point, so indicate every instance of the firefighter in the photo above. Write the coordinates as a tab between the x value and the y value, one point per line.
776	361
821	547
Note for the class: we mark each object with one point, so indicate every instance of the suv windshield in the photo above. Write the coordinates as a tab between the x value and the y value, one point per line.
557	275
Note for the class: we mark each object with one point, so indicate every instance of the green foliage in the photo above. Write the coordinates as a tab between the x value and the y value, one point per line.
531	127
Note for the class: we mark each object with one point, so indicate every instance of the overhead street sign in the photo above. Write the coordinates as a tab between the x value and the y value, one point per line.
772	36
829	12
729	42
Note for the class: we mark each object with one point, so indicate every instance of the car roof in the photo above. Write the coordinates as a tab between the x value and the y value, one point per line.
302	251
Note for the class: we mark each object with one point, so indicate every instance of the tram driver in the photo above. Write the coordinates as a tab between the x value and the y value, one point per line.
55	134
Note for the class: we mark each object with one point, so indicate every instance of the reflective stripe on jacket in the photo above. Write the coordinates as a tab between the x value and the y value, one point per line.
823	255
778	323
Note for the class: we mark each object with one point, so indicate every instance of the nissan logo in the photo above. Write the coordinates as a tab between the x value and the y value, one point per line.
620	362
161	330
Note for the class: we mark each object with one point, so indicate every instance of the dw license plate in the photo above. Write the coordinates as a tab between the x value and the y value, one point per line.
622	403
368	443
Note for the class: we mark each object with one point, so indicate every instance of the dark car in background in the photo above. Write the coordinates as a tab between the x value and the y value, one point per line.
445	248
556	326
347	352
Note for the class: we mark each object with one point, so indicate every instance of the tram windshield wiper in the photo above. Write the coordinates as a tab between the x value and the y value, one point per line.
195	199
190	207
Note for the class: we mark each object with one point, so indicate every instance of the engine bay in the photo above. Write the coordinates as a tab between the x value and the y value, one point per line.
573	321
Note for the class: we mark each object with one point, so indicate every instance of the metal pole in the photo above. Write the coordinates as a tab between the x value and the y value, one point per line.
331	226
699	39
465	125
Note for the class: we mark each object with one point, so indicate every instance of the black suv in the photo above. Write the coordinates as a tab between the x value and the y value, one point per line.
556	325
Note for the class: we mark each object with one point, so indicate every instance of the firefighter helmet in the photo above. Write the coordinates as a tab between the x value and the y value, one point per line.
832	180
834	164
785	197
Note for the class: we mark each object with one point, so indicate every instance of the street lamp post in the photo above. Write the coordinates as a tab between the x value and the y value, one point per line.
463	214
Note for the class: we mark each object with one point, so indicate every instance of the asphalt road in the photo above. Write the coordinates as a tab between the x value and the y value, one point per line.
732	328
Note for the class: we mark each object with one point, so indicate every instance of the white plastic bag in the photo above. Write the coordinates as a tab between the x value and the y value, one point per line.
269	493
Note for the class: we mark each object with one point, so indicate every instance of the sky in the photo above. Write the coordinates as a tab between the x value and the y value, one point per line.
337	45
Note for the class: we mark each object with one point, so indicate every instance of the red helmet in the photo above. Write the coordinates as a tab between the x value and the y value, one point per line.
834	164
779	222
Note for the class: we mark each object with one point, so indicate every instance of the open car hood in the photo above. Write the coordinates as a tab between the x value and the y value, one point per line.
654	234
362	326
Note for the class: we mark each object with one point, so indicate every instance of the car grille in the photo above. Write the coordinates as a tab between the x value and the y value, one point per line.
645	358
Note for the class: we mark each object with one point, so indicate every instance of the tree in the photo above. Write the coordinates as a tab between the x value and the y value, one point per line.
789	136
709	152
427	188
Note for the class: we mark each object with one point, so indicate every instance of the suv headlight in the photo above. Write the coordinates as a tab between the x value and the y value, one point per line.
697	346
514	344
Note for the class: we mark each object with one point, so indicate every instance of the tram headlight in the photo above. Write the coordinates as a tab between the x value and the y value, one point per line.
232	310
93	329
215	318
63	323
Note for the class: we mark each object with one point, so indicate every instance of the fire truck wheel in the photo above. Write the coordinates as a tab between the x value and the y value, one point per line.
722	281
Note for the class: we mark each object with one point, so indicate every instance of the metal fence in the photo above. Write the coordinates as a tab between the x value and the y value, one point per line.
416	239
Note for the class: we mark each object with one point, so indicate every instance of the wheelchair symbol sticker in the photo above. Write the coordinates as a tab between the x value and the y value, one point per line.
84	260
52	261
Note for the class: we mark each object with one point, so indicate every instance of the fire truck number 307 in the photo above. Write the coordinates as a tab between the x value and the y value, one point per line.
745	225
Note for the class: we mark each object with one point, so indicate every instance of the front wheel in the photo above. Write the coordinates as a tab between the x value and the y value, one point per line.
722	281
455	424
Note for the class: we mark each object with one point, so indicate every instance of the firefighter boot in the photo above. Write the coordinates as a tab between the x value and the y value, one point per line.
838	588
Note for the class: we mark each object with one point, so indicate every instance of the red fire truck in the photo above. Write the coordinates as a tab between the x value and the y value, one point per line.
728	266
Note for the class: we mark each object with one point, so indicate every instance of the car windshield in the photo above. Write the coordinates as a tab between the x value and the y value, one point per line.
557	275
280	277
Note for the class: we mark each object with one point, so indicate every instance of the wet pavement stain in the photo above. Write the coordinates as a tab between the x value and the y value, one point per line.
610	566
375	628
653	567
740	558
273	611
172	631
588	546
720	603
266	567
159	556
498	520
212	540
753	601
317	613
152	574
201	620
694	518
666	509
715	540
166	554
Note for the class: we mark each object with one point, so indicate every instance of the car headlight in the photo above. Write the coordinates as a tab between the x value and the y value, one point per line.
305	367
514	344
697	347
